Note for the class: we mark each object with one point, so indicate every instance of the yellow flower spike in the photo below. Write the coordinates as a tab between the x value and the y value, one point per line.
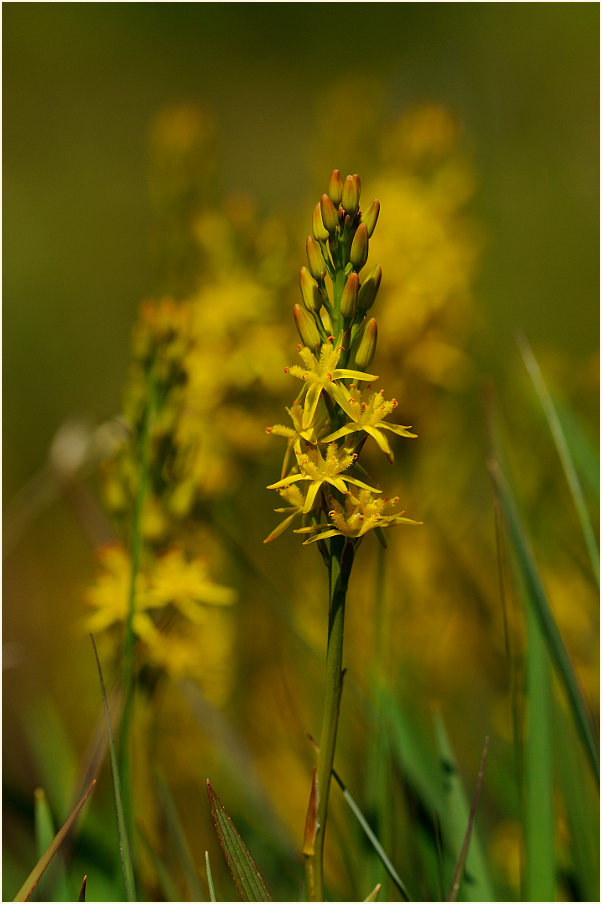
367	345
317	225
315	259
369	288
358	255
350	198
370	217
368	409
335	187
322	373
349	296
330	214
318	471
310	290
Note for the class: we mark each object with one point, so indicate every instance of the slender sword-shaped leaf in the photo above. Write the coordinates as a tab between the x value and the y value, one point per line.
45	831
373	896
82	892
564	453
209	877
124	844
539	821
537	598
455	816
460	865
34	877
247	877
178	836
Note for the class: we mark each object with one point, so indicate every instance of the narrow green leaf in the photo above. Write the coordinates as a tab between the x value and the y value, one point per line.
247	878
82	892
124	844
373	839
537	599
209	877
34	877
178	836
564	453
539	883
455	816
45	830
463	856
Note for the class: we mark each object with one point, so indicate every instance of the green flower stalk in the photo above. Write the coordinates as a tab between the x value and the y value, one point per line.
331	421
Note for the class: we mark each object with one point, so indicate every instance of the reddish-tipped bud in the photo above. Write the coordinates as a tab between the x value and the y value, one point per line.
310	290
315	259
335	187
367	346
317	225
330	214
349	296
351	194
358	254
306	327
369	289
370	216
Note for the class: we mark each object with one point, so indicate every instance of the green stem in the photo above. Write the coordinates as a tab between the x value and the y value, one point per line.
130	637
341	561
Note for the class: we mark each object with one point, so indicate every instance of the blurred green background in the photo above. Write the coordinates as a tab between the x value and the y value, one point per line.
83	84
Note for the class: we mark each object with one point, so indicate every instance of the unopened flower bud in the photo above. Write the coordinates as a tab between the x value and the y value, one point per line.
351	194
330	214
317	266
310	290
349	296
358	254
369	288
370	216
317	225
326	321
335	187
306	327
367	347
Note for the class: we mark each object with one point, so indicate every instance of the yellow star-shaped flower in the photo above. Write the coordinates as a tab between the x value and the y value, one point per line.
367	409
362	512
318	471
321	373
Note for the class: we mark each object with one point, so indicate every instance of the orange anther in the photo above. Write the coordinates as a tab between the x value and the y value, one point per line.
268	429
331	338
286	370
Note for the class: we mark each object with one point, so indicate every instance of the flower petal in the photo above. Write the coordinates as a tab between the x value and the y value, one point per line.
285	482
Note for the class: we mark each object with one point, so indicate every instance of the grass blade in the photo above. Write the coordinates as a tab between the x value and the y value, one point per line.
539	881
124	844
45	831
247	878
537	599
372	839
168	888
373	896
461	864
455	816
563	453
34	877
209	877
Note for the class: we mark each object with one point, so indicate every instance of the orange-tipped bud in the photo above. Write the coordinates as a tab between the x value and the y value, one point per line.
367	347
306	327
317	225
335	187
369	288
370	216
358	254
330	214
351	194
315	259
349	296
310	290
